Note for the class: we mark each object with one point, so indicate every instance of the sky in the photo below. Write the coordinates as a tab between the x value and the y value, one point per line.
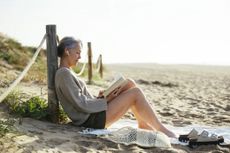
128	31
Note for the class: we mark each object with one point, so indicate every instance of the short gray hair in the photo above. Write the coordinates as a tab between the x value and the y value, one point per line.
67	42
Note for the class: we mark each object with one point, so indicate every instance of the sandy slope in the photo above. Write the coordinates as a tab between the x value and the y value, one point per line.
181	95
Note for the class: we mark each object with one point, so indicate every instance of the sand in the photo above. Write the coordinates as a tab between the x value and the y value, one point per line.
181	95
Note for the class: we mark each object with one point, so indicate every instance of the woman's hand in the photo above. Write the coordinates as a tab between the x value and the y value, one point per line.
114	94
100	94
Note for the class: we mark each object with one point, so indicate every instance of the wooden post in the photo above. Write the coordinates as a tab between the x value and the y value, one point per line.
52	64
58	40
101	66
90	68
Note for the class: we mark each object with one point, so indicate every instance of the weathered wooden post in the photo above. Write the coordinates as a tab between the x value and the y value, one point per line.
101	66
52	64
90	68
58	40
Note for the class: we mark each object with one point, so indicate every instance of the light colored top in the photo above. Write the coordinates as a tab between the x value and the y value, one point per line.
75	98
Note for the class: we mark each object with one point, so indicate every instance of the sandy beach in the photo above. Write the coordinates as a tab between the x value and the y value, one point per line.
181	95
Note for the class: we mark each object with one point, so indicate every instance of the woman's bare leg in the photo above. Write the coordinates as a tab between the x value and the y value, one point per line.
141	124
134	98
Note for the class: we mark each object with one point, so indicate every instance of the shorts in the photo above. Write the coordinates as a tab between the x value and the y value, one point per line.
96	120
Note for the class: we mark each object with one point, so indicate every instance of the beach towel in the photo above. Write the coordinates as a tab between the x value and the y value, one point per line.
128	135
125	127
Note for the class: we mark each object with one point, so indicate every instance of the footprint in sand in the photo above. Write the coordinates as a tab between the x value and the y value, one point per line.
35	132
227	108
56	141
166	113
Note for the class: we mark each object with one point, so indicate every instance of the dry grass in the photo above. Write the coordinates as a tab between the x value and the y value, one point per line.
14	57
38	71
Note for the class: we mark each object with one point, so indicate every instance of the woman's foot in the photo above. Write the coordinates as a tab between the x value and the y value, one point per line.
168	132
171	134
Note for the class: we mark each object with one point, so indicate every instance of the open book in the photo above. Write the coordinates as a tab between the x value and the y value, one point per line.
120	81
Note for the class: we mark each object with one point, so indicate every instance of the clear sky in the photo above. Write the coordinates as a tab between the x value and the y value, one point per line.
156	31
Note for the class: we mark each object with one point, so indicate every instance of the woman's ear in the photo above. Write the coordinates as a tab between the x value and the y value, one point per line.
67	52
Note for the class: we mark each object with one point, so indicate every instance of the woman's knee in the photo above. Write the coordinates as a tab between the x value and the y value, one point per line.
136	92
131	83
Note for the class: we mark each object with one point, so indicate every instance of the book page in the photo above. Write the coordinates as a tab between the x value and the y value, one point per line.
119	81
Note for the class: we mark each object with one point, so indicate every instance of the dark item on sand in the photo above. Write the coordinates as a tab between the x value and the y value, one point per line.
194	139
186	137
204	139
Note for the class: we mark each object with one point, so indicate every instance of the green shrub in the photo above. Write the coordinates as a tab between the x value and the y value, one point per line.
35	107
14	98
6	126
63	118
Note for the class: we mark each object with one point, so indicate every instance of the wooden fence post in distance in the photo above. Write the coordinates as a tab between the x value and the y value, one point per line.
101	66
90	68
52	64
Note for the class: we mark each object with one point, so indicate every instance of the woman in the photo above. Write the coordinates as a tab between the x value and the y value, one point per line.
98	112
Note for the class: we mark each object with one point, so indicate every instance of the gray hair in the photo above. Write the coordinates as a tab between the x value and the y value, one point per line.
69	43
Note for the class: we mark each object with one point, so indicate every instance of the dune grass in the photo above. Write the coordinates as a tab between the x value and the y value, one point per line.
14	53
38	71
18	56
6	126
35	107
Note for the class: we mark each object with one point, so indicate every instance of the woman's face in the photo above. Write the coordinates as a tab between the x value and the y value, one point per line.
74	55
